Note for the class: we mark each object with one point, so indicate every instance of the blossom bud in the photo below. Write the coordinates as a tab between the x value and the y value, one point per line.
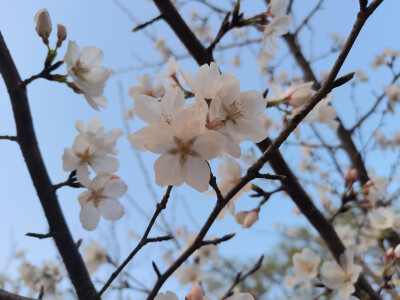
43	24
350	177
396	251
389	253
195	294
61	34
250	218
299	94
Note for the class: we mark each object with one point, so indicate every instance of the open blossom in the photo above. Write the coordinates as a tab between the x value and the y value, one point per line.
189	274
240	112
305	263
145	87
277	8
84	68
94	256
185	145
381	217
341	277
277	27
102	199
43	24
92	147
296	95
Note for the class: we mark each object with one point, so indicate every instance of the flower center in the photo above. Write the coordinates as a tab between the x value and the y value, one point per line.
97	196
85	156
235	111
80	69
183	149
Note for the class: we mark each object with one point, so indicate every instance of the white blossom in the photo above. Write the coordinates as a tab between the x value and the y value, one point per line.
94	256
305	263
145	87
341	277
84	68
43	23
102	199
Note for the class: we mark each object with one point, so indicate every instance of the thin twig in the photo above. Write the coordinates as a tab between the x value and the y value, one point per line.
9	137
218	241
40	235
144	25
160	206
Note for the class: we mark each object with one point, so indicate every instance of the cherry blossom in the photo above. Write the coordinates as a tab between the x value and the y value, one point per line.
341	277
102	199
84	68
185	146
92	147
247	218
277	27
145	87
94	256
305	263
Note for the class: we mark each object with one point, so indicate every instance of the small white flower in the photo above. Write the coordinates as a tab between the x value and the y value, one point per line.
341	277
84	68
277	27
381	217
102	199
305	263
145	87
189	274
94	256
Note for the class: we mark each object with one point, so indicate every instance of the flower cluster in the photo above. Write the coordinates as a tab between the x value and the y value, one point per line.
187	136
95	148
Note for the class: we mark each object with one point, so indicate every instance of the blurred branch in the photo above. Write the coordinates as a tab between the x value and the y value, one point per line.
10	296
240	278
40	235
144	25
30	150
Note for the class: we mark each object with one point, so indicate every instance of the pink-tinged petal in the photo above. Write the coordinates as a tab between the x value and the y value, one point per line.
95	126
229	91
82	175
346	290
168	170
72	54
145	81
235	132
91	56
209	145
83	197
253	102
158	138
70	160
136	139
253	128
355	273
167	296
196	173
89	216
98	76
111	209
332	275
147	108
100	181
106	164
115	188
188	78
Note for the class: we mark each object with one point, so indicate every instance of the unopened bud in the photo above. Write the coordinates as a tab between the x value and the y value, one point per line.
61	34
350	177
250	218
43	24
389	254
195	294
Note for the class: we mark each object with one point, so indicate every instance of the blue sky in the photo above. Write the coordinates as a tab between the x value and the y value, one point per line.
55	108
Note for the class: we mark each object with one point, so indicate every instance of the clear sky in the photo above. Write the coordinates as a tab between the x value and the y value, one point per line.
55	108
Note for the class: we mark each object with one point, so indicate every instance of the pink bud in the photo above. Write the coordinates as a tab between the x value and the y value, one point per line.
389	253
250	218
115	176
43	24
350	177
61	34
195	294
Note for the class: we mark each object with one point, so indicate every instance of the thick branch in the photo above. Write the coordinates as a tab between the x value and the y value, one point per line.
9	296
30	150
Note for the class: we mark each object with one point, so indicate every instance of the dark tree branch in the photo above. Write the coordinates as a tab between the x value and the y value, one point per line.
30	150
40	235
144	241
218	241
10	296
9	137
144	25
